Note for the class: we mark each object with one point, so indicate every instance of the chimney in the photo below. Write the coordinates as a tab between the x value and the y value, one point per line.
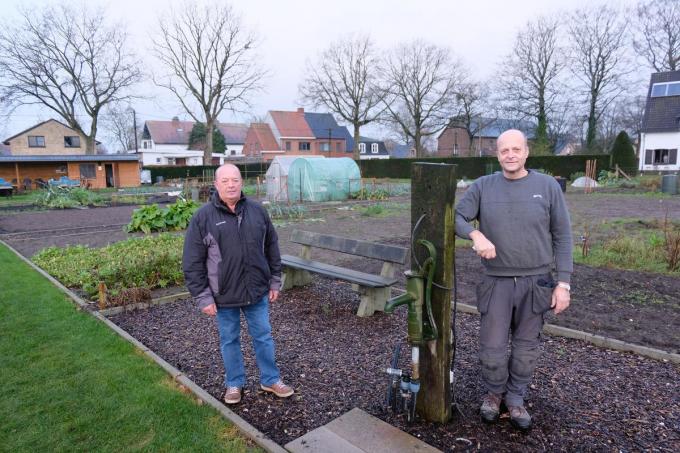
301	110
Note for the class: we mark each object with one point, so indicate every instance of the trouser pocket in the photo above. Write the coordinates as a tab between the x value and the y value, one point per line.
484	293
541	293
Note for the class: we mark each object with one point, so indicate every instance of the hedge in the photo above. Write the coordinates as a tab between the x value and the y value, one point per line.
468	167
473	167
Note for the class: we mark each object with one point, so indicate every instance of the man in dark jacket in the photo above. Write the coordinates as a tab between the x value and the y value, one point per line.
232	263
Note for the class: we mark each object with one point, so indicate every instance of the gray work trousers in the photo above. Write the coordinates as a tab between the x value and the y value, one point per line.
514	305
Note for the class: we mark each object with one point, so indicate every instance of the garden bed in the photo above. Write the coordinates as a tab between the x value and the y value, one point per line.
582	397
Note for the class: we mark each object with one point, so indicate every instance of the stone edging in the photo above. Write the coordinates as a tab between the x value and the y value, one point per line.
246	428
131	307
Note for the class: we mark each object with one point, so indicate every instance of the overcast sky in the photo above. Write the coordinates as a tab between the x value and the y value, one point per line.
293	31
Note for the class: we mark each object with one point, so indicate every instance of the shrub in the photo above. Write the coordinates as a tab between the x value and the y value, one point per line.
371	194
623	152
146	262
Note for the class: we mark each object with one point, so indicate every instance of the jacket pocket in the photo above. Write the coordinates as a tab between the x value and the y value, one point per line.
542	295
484	292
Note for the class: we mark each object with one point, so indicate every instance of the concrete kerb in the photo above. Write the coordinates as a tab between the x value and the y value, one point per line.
597	340
246	428
131	307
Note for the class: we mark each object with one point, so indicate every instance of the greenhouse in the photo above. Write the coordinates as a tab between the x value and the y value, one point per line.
313	179
277	177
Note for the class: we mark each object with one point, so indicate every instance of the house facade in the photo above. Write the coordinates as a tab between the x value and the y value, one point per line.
660	135
454	140
51	149
167	143
297	133
371	148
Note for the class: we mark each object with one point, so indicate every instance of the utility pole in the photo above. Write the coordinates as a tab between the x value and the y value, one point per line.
134	128
433	193
329	140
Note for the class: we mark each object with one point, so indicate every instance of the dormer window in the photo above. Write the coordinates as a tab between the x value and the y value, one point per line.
374	148
362	148
665	89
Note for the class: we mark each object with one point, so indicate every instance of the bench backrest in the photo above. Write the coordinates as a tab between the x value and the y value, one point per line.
383	252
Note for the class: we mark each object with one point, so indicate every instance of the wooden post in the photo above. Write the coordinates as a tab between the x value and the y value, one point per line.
102	295
433	192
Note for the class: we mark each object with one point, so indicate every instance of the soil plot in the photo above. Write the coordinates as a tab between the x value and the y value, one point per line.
583	398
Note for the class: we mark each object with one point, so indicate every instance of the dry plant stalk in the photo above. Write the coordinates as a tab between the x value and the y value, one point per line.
585	245
672	244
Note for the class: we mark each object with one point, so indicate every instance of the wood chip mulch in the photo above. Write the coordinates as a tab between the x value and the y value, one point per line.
583	398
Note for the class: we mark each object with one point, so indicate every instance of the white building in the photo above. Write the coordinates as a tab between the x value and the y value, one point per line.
660	138
167	143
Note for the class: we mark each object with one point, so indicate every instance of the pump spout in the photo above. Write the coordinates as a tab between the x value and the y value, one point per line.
394	302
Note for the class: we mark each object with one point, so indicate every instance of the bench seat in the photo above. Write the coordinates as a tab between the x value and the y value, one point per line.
341	273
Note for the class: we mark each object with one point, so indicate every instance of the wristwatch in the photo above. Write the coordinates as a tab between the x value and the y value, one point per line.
566	286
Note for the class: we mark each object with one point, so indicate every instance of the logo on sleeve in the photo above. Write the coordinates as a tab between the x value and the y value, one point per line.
538	195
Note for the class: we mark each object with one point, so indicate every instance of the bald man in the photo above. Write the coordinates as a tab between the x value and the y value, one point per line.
232	264
524	232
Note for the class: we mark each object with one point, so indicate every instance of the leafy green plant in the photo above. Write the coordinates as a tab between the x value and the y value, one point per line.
371	194
146	262
374	210
152	218
277	211
67	197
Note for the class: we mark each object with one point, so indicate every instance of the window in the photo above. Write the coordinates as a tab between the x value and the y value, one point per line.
146	144
666	89
233	152
324	146
72	141
36	141
662	156
304	146
171	161
362	148
455	149
287	146
87	171
158	160
374	148
62	169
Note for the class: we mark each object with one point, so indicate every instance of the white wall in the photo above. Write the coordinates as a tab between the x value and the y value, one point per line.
659	140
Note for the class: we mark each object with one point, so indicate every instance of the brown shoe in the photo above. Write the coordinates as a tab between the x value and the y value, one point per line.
279	389
519	417
232	395
490	409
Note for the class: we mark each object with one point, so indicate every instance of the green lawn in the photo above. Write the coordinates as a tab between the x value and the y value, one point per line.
71	384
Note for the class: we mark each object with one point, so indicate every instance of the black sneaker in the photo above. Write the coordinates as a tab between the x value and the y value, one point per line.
519	417
490	409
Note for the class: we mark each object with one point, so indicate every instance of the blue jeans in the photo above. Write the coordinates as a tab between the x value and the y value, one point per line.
229	326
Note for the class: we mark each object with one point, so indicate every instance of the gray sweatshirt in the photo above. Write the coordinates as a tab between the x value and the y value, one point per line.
526	219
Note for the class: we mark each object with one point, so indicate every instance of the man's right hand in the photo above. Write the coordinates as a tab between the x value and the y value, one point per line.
482	245
210	310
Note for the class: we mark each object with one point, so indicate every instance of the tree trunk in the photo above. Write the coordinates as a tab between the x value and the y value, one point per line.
207	152
419	145
591	133
357	137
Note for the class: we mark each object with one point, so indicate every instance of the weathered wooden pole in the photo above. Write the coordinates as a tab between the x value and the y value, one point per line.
433	192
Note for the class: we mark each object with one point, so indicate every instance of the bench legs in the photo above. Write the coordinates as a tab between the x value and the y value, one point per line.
372	300
295	277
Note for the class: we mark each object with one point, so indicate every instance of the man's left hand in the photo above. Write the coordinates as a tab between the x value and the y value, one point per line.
273	295
560	299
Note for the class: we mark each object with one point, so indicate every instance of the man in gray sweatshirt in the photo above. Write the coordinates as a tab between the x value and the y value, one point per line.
524	230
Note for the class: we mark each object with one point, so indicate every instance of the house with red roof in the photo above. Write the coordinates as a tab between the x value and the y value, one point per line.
297	133
167	143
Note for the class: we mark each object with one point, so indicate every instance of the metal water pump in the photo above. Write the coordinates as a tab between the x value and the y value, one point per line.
403	390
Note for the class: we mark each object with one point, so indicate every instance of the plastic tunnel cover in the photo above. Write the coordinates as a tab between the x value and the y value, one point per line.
331	179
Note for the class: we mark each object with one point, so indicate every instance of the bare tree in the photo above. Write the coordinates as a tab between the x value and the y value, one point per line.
598	61
474	110
210	62
420	84
657	34
344	80
70	61
529	79
120	123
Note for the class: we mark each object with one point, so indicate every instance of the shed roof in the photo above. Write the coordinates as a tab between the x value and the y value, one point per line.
72	158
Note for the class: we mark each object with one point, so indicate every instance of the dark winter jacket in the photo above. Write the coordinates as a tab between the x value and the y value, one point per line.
231	258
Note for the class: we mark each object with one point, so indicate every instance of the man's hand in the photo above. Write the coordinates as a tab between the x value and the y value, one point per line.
560	300
210	310
482	245
273	295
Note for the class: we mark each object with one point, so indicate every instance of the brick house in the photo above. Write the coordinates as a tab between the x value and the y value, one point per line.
660	133
454	140
297	133
51	149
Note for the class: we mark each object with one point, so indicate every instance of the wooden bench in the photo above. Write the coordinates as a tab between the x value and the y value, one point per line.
373	289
